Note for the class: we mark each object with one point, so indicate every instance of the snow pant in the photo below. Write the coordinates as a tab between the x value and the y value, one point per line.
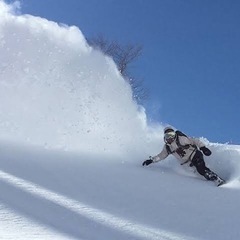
198	162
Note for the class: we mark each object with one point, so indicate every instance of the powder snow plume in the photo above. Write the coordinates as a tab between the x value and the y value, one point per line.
58	92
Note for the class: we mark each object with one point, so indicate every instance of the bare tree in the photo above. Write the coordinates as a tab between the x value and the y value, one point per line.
123	56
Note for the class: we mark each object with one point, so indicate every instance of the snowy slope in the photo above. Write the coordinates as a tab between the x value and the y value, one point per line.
72	141
75	196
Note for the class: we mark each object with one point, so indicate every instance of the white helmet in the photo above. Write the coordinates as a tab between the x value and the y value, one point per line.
168	129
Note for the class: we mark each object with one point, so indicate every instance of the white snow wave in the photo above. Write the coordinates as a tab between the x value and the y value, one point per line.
58	92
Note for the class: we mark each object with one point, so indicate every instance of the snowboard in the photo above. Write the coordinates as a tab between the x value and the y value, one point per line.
220	182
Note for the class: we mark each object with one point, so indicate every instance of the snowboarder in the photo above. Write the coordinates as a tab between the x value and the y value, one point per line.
187	150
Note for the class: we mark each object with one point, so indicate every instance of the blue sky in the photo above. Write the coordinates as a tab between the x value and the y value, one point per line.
190	61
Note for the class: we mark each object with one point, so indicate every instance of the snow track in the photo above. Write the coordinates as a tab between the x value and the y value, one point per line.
14	226
134	229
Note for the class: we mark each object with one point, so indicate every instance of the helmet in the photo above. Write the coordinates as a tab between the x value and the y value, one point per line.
169	135
168	129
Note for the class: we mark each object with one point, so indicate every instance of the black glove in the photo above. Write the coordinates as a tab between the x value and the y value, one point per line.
206	151
147	162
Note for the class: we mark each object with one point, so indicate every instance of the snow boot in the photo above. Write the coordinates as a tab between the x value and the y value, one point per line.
209	175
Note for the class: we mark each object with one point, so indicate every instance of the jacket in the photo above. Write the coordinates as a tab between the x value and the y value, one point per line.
183	151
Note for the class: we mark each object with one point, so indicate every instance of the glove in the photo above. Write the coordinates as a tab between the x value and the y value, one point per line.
206	151
147	162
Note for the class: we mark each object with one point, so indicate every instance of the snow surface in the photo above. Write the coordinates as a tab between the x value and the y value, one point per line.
72	141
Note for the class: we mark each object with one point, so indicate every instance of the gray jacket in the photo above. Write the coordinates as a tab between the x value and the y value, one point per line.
184	153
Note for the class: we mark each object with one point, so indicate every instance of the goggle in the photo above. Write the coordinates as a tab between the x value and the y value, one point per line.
170	135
